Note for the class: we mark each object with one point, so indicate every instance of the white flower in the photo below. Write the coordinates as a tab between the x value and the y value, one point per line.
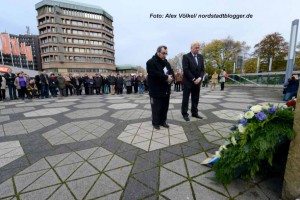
266	107
249	114
241	128
285	106
222	147
233	141
256	109
217	154
240	117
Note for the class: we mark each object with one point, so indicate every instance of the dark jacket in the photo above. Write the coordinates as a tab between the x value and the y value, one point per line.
292	86
157	79
98	81
44	79
111	80
119	82
10	78
190	68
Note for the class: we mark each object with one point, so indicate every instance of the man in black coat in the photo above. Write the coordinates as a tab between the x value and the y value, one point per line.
10	79
193	71
159	80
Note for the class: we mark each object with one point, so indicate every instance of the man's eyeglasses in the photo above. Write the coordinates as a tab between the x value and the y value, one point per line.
164	53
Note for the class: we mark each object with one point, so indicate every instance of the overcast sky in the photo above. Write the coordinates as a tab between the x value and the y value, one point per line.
137	35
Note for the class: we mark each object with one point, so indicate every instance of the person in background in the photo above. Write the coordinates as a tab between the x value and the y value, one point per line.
10	80
134	84
61	84
98	83
291	88
32	89
178	81
85	84
78	84
119	84
52	85
112	83
160	78
205	80
141	83
21	85
2	87
128	84
91	84
44	80
38	82
222	78
214	80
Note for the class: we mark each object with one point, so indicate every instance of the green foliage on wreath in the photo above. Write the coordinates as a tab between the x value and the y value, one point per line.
245	157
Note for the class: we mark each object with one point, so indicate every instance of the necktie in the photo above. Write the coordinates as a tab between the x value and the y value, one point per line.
196	59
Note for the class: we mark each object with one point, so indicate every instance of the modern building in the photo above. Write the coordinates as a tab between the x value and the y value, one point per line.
21	51
126	69
75	37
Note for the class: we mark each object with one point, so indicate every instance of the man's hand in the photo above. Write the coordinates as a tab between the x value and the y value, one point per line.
197	81
170	79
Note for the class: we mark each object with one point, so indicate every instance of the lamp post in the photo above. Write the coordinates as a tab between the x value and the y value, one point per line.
292	49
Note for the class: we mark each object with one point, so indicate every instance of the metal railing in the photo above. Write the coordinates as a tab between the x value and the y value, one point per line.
258	79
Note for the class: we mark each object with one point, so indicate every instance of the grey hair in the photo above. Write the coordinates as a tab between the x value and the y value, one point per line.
195	43
161	47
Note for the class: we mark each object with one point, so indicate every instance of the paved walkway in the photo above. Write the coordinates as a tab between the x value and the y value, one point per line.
104	147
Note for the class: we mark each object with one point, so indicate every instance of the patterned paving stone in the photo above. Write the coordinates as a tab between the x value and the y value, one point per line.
45	112
227	114
25	126
15	110
204	106
144	136
10	151
117	101
56	105
239	100
239	106
4	118
206	100
78	131
66	100
212	96
142	101
40	181
90	105
175	101
123	106
114	98
176	115
35	103
216	131
86	113
206	194
131	114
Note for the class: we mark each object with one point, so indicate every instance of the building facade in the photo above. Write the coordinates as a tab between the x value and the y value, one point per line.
75	37
21	51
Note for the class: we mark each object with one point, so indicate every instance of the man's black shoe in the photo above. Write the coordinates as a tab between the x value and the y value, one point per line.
165	125
156	127
197	116
186	118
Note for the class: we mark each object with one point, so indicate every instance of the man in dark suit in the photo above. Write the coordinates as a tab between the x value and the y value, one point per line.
160	76
193	71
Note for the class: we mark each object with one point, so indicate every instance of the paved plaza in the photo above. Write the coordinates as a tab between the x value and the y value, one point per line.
104	147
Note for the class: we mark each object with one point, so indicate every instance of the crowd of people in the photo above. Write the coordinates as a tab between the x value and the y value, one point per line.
21	86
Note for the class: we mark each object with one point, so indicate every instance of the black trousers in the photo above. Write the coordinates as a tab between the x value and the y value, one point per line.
194	90
159	107
222	85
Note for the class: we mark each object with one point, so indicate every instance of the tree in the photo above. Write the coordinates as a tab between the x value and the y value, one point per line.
141	69
250	65
176	62
272	46
223	53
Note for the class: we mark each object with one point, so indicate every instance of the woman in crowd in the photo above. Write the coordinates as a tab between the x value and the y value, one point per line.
214	81
21	85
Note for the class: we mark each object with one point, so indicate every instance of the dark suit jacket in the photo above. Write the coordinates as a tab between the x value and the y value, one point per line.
157	79
190	68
